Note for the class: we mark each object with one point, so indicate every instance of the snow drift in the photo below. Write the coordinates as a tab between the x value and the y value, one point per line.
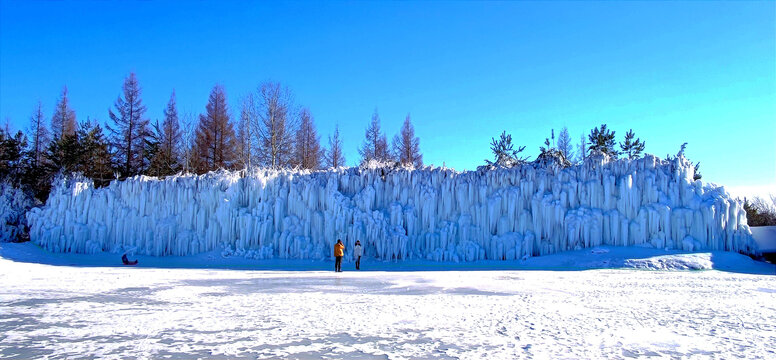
432	213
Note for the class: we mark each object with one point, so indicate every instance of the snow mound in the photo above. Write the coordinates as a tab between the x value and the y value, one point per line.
432	214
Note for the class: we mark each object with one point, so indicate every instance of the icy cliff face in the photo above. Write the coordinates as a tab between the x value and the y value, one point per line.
436	214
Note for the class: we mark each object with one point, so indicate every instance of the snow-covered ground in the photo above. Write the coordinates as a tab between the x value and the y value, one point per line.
80	306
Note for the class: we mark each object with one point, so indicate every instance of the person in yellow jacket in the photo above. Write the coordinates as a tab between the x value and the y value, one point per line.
339	252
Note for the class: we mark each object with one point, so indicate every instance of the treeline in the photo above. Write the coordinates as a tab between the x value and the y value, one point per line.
269	130
601	140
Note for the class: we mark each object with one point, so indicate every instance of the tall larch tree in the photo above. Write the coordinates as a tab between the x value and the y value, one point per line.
564	144
129	129
243	154
308	146
38	136
274	125
215	139
582	149
375	146
333	155
63	121
406	146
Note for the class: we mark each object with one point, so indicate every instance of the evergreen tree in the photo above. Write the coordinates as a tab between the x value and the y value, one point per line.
603	140
63	121
164	145
63	155
549	155
406	146
308	147
129	129
632	148
12	156
215	135
274	125
333	156
504	153
564	144
95	157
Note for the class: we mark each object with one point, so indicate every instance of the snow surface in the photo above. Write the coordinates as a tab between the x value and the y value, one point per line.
432	213
50	311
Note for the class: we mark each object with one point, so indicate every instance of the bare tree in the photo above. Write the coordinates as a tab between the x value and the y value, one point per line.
406	146
375	146
244	134
63	121
130	128
582	149
187	138
308	146
564	144
274	125
215	137
39	136
333	156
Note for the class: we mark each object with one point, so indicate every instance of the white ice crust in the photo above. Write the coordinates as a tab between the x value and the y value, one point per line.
436	214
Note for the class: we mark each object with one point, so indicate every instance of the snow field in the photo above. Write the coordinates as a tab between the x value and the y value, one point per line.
432	213
119	313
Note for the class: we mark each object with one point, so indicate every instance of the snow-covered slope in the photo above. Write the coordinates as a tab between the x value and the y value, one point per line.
433	213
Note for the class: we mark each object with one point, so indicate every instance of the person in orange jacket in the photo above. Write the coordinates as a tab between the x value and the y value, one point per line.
339	252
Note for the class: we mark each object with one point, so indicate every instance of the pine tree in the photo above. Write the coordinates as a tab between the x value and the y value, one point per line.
166	143
12	156
504	153
63	155
564	144
95	158
603	140
215	134
308	147
375	146
129	129
63	121
630	147
333	156
274	126
406	146
38	135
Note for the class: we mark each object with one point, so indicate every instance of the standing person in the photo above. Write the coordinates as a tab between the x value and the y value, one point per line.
339	252
357	252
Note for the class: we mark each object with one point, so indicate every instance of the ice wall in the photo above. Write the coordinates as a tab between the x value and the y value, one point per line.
14	203
432	213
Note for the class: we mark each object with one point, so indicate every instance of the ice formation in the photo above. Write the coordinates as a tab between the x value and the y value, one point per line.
432	213
14	203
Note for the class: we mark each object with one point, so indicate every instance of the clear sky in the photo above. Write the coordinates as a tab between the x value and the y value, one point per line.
674	72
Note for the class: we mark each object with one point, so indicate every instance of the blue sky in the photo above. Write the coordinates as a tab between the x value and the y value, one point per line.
674	72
